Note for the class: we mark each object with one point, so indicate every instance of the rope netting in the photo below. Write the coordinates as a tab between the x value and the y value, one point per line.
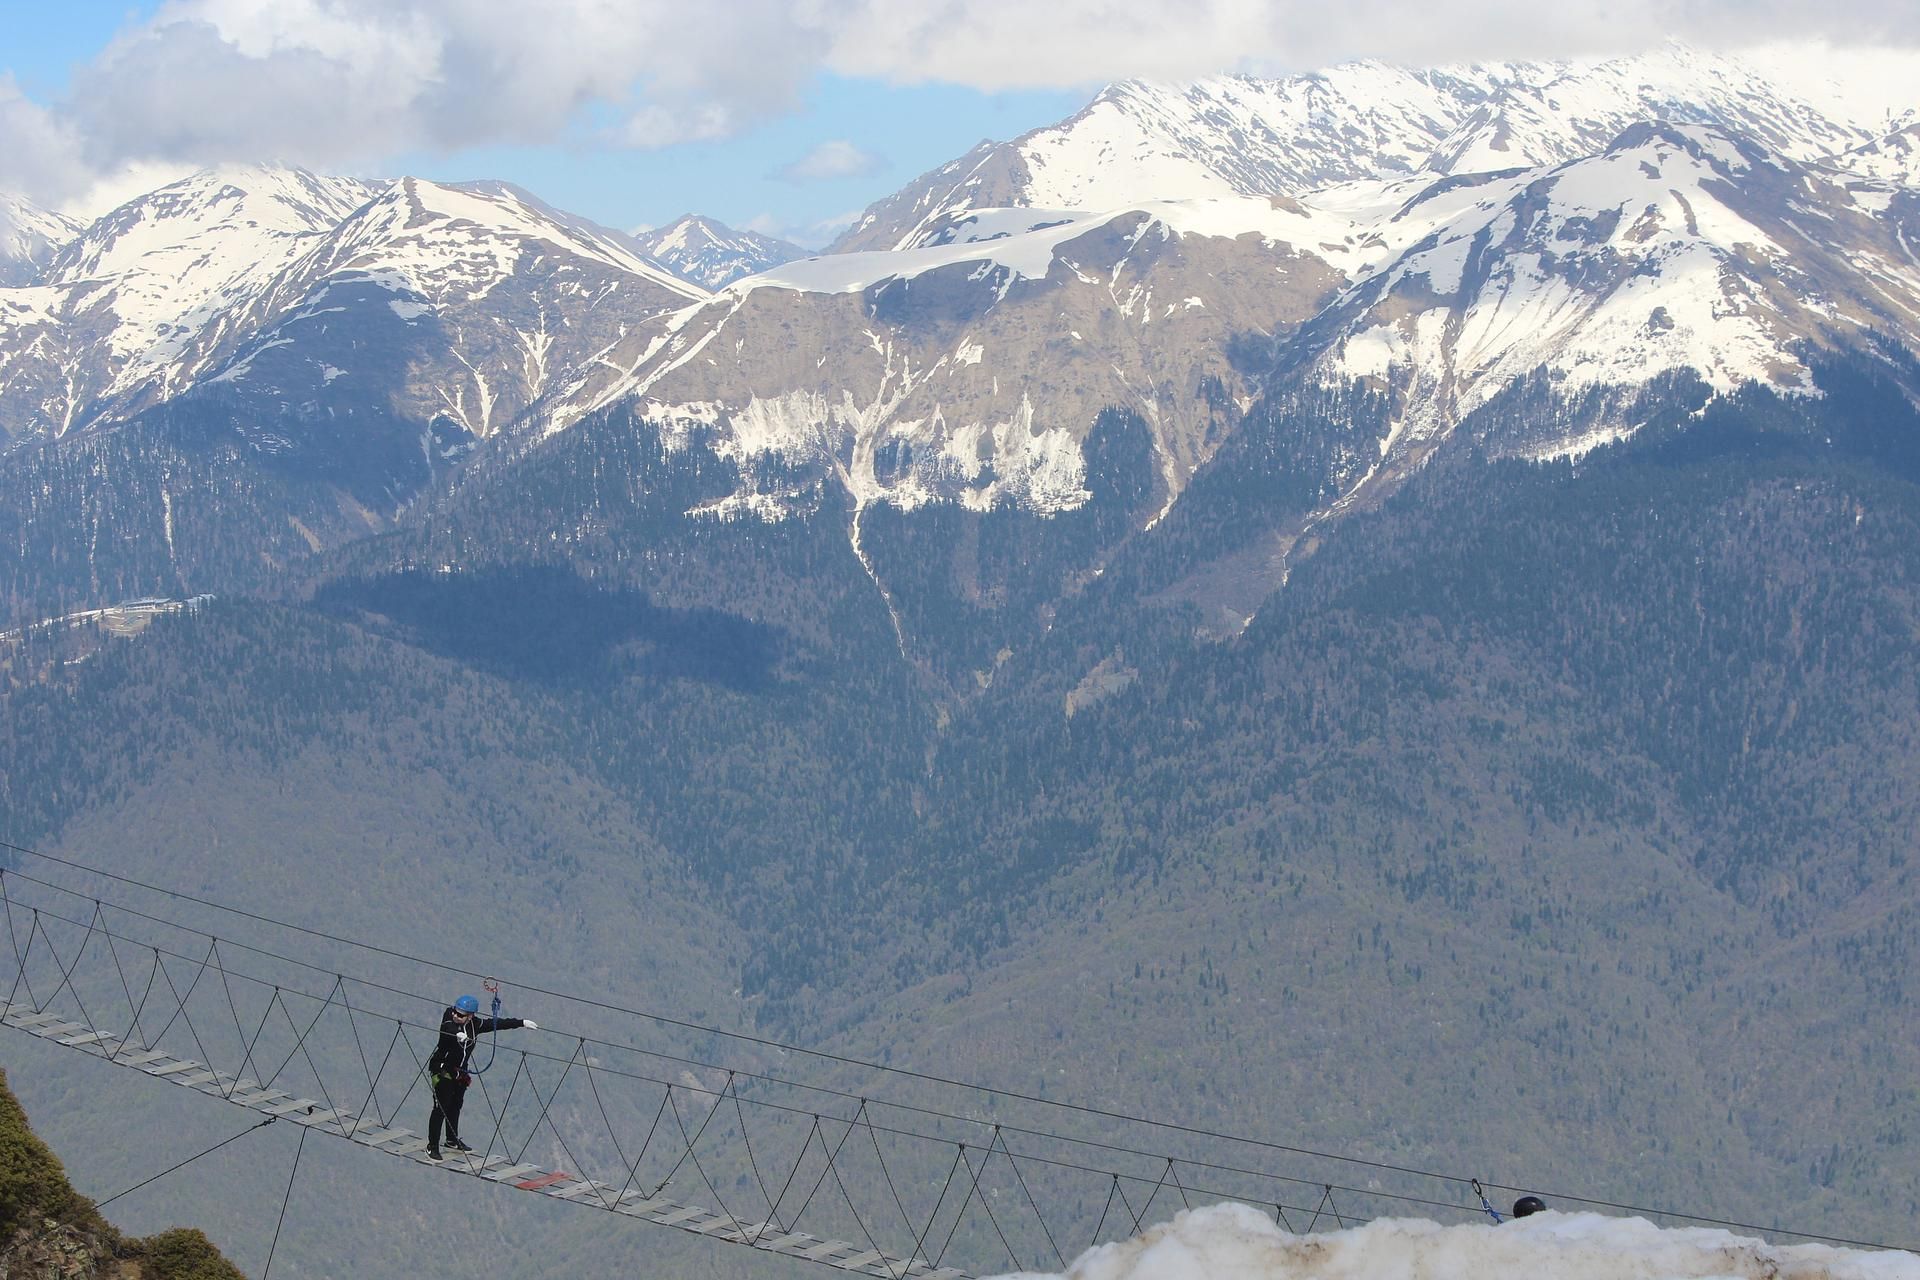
856	1165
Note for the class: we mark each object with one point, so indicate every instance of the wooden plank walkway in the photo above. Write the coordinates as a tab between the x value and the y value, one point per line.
406	1145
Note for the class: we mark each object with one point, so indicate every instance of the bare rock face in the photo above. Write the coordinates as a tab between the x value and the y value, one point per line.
50	1250
972	371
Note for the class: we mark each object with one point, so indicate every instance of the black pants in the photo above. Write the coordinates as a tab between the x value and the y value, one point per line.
448	1094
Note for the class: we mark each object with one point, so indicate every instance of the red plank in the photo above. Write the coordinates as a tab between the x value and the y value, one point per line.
544	1180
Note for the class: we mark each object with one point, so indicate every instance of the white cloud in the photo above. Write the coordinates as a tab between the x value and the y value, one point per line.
836	159
1002	44
808	235
39	151
345	84
828	228
658	125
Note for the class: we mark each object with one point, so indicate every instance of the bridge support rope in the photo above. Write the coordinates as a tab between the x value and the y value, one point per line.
78	994
313	1115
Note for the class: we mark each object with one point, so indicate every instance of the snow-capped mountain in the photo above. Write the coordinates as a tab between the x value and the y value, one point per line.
29	237
1189	255
409	303
972	370
1677	248
444	305
712	254
211	226
1239	135
134	309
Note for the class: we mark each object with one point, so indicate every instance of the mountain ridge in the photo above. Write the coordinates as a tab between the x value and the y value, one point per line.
711	254
1238	135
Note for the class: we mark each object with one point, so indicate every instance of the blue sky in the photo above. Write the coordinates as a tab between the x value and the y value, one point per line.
781	115
869	136
903	131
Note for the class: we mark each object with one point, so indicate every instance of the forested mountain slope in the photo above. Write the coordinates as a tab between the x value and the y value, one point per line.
1553	821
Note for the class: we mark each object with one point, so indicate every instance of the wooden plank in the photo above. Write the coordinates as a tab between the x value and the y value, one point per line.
744	1232
543	1181
139	1059
586	1189
54	1030
375	1136
787	1242
512	1172
641	1207
404	1143
257	1101
321	1117
680	1215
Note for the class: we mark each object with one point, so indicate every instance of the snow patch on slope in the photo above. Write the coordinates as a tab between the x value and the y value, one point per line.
1608	271
1233	1240
1369	122
29	237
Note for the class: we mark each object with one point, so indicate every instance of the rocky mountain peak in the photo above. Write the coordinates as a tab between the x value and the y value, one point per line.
711	254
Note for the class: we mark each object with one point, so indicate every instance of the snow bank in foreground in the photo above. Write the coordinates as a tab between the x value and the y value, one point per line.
1234	1242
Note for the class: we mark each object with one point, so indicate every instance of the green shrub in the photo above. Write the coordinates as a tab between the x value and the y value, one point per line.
185	1253
33	1183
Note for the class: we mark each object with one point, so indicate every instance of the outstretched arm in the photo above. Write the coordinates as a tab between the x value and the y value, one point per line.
482	1026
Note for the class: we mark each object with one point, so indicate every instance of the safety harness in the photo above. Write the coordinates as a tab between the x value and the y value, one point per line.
467	1066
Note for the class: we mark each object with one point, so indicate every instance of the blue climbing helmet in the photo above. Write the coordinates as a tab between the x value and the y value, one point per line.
467	1004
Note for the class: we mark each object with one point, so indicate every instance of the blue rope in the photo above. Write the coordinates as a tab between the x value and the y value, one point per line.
1491	1211
493	1044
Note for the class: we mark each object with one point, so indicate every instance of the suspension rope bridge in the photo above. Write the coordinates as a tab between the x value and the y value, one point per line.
939	1181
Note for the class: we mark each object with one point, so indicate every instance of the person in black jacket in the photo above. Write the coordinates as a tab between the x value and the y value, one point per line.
460	1025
